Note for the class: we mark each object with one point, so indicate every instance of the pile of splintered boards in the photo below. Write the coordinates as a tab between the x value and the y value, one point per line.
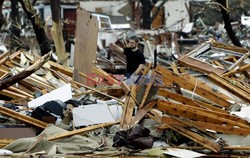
203	99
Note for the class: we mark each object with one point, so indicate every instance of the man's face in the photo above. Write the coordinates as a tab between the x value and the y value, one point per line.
132	43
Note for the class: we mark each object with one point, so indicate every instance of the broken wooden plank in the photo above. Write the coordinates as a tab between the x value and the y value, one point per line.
142	112
23	118
220	81
174	68
80	131
148	87
235	71
104	75
196	114
128	109
206	107
11	94
12	80
245	56
204	125
144	73
195	85
197	138
229	47
82	85
185	100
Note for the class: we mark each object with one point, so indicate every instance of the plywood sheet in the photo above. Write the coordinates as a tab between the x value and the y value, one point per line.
86	43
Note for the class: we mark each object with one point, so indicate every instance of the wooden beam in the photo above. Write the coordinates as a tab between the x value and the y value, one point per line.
185	100
238	62
23	118
80	131
197	138
82	85
174	68
144	73
104	75
220	81
11	94
205	107
195	85
128	109
27	72
196	114
215	127
229	47
148	87
142	113
235	71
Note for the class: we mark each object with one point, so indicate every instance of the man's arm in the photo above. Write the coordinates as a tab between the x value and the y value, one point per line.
116	48
139	69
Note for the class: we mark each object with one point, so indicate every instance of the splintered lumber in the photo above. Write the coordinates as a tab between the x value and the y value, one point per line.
220	81
14	89
82	85
148	87
67	71
155	115
142	112
11	94
229	47
195	85
185	100
23	118
144	73
196	114
80	131
197	138
203	125
4	55
33	68
238	62
174	68
235	71
104	75
86	43
199	65
128	109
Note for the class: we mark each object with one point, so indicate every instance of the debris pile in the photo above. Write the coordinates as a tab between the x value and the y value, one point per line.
197	103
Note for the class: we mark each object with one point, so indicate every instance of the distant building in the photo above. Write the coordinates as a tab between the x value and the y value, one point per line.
119	22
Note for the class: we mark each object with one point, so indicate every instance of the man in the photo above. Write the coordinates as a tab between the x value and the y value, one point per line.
135	58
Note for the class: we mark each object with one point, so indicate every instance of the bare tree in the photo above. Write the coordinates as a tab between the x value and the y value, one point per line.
1	14
225	14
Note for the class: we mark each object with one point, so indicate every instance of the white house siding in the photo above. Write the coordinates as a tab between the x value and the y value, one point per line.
174	12
108	7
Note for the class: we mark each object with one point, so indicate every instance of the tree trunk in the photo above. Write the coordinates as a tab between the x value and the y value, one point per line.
1	14
228	26
146	11
56	31
37	24
15	30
